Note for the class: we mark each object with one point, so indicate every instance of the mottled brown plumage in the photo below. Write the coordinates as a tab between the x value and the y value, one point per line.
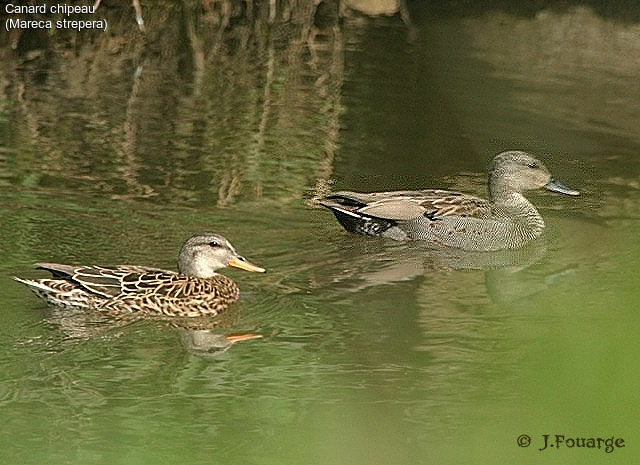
197	290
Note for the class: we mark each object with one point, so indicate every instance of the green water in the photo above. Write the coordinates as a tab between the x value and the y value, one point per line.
114	149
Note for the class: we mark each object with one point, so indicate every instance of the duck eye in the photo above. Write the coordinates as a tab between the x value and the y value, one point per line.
532	165
214	244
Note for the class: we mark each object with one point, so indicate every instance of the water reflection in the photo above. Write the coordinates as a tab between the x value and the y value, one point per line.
200	335
559	59
206	343
361	265
231	115
229	103
250	112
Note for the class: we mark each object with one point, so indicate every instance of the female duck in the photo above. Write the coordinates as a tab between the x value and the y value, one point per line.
197	290
453	219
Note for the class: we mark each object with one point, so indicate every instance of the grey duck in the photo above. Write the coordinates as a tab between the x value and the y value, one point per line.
454	219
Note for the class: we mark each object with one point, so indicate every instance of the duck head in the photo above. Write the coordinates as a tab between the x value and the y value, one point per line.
205	253
517	171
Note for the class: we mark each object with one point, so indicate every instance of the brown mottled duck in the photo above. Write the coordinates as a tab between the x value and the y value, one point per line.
196	290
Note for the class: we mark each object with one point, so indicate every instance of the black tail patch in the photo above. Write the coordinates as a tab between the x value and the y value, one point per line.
358	223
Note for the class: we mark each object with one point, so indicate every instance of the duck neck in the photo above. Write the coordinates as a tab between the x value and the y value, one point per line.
196	269
527	223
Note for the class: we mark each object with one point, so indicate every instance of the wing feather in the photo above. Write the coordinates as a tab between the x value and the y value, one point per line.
407	205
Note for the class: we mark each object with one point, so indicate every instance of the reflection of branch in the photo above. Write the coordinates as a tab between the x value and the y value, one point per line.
136	6
139	20
198	57
224	23
32	120
131	165
335	78
272	11
229	187
258	147
406	19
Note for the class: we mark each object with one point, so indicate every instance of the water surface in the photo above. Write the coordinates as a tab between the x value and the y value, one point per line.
115	148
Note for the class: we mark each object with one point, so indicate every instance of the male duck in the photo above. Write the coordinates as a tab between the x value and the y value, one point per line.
197	290
453	219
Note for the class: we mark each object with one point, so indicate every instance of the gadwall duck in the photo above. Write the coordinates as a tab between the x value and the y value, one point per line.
197	290
453	219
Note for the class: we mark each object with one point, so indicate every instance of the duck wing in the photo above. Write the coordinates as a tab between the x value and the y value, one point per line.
407	205
111	281
168	286
441	203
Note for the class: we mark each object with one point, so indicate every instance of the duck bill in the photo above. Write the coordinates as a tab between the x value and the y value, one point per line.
555	186
240	262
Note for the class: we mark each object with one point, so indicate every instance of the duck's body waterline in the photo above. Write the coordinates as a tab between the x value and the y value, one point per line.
454	219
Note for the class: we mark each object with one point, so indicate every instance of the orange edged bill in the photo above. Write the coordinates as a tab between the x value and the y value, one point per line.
242	337
240	262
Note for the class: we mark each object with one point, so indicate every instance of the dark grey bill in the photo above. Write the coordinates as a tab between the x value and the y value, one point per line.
555	186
